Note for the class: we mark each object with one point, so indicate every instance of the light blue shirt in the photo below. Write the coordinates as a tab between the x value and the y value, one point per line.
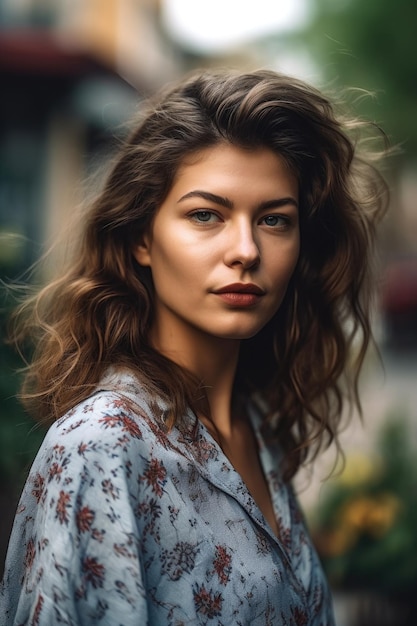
124	523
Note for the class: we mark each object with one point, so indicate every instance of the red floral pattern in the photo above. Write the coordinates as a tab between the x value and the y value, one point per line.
222	564
207	602
122	522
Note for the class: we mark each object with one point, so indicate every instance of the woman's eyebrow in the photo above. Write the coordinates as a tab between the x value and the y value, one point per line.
211	197
276	203
228	204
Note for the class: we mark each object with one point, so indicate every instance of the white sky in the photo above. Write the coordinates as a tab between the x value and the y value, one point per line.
218	25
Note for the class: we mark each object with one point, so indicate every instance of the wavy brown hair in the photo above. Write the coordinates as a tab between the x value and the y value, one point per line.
98	313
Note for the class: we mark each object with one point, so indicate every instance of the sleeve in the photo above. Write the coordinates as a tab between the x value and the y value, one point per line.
74	555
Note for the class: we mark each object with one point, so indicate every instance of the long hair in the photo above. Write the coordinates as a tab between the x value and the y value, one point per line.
99	312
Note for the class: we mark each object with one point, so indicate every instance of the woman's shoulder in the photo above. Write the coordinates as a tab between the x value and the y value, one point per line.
119	408
108	436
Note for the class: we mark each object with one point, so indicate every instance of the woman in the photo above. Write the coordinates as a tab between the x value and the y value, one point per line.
195	349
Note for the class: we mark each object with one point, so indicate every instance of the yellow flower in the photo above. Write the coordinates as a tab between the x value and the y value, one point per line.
384	514
373	515
358	470
354	514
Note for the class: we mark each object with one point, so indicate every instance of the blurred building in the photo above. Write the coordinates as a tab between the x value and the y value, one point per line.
72	72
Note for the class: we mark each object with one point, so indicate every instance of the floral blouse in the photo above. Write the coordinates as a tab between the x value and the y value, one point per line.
124	523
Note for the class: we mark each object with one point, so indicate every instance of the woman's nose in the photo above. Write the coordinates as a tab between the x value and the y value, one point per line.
242	248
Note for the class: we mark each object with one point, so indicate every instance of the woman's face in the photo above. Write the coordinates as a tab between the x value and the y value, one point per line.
223	245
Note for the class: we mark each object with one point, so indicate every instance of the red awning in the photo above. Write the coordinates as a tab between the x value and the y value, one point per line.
38	52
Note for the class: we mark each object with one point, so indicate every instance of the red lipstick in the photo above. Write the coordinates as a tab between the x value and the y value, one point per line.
240	294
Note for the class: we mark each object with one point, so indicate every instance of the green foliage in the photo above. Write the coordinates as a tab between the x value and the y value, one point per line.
371	45
20	437
365	525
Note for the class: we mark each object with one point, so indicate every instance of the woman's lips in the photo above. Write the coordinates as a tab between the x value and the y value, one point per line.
240	294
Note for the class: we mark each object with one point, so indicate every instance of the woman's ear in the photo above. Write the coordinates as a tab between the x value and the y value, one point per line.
142	250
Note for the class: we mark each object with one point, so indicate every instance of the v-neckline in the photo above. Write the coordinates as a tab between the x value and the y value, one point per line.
217	468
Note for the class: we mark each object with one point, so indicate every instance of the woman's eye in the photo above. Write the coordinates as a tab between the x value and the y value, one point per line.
275	220
204	216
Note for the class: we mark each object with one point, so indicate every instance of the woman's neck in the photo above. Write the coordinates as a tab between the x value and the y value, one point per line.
213	361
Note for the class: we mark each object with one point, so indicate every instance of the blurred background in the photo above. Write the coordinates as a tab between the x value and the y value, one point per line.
72	73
